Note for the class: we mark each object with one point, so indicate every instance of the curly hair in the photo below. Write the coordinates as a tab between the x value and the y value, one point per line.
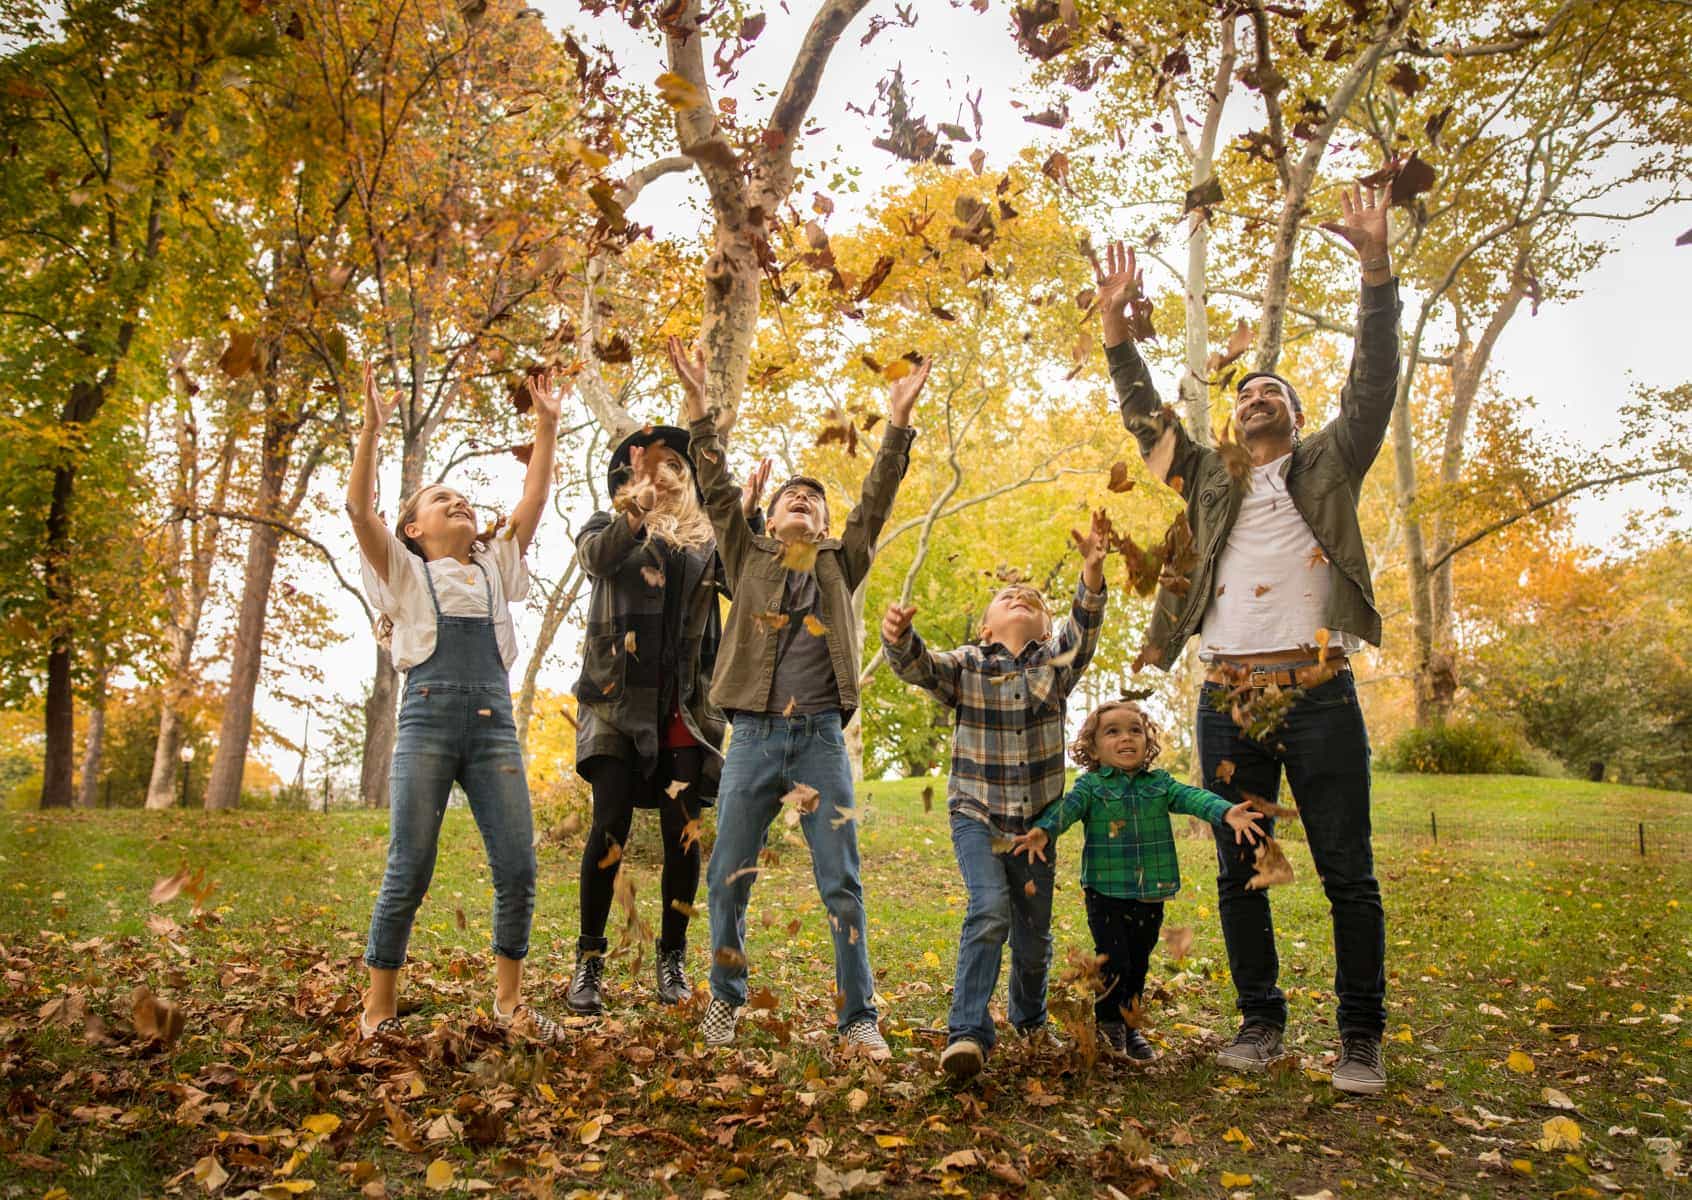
1081	749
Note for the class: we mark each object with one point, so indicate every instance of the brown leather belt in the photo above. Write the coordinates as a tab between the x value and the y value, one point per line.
1234	674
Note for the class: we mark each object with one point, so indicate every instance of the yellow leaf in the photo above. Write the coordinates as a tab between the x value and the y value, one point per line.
1404	1035
1231	1180
545	1089
897	369
799	556
1560	1134
679	93
930	958
322	1124
1544	1004
1521	1166
440	1175
1234	1134
1519	1062
815	627
589	1133
587	155
282	1189
888	1141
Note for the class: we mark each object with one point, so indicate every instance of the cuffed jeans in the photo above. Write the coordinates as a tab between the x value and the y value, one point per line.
1324	749
463	733
1000	908
767	757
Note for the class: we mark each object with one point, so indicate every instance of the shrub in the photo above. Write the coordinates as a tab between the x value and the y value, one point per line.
1464	746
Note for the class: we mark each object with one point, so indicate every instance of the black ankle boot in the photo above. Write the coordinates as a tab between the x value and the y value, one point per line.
584	995
673	987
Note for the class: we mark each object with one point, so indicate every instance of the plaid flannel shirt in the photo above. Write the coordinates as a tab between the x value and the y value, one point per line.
1009	710
1129	853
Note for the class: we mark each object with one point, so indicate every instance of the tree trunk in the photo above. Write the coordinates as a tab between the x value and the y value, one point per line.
223	789
558	606
87	795
58	768
161	785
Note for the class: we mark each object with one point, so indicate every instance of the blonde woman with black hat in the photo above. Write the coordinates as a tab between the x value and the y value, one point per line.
649	736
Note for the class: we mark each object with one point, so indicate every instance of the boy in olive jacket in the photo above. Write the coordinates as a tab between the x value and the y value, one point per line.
787	677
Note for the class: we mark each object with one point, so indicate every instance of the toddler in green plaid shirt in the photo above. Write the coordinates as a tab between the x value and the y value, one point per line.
1128	862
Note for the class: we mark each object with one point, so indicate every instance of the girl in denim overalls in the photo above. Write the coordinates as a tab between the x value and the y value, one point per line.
444	592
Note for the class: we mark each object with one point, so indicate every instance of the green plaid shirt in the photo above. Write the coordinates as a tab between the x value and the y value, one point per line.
1129	853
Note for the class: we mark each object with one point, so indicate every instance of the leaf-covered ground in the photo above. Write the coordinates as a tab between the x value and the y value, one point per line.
1539	997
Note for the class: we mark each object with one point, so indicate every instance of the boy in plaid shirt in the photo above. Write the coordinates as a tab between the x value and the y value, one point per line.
1009	693
1128	862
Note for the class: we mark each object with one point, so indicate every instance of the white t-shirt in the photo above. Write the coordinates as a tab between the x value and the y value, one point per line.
1272	579
458	587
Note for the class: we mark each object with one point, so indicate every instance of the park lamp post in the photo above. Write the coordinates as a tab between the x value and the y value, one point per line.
187	769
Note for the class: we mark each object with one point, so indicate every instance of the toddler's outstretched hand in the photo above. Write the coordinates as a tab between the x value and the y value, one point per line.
1032	844
897	623
1243	819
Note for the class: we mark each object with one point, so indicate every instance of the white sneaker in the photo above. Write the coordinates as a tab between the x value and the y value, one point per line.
962	1059
864	1037
718	1022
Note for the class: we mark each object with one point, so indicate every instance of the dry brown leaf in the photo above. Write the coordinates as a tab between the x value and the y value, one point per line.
1225	771
1119	481
613	855
803	797
155	1020
653	576
1178	941
1271	866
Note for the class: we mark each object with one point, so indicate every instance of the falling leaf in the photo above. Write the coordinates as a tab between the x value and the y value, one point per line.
155	1020
1119	481
1317	558
684	908
167	889
1270	866
1560	1134
799	555
677	787
1178	941
1225	771
1030	889
679	93
653	576
1684	239
743	873
728	956
1520	1062
772	622
1269	808
792	703
845	816
803	797
1406	79
1203	195
241	355
613	855
463	924
928	798
815	627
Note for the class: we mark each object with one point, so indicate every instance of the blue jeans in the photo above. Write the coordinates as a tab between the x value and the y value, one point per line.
1324	749
767	756
465	733
1000	907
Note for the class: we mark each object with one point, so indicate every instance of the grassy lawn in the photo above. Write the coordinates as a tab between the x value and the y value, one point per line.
1538	969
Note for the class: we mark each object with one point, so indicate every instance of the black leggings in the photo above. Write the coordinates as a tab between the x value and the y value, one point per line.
1125	931
617	785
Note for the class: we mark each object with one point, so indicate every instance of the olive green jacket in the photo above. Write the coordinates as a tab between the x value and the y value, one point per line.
1324	479
752	565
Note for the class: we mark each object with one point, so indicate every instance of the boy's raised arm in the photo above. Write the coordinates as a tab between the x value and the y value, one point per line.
914	662
1078	636
881	485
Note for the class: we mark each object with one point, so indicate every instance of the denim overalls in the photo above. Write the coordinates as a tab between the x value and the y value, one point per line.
455	724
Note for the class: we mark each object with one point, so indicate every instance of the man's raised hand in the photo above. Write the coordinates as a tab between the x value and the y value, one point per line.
1119	285
1363	224
903	396
897	623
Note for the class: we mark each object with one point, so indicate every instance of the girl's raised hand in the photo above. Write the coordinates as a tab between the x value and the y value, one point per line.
376	411
1243	819
548	397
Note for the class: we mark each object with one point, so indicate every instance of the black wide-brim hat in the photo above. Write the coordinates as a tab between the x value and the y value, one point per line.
669	436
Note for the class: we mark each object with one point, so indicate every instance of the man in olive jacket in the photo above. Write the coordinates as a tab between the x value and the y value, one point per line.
787	676
1279	594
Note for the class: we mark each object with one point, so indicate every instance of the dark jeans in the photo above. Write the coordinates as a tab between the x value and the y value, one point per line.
1125	932
618	787
1000	908
1324	749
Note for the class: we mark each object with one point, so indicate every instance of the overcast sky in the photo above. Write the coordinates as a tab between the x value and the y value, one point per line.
1577	362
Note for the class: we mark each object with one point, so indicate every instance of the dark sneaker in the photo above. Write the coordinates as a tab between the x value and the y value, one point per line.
673	987
1113	1035
718	1022
864	1037
962	1059
1360	1070
1137	1048
584	996
1252	1048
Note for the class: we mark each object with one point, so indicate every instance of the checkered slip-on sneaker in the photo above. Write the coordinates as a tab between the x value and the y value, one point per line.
533	1023
718	1022
863	1037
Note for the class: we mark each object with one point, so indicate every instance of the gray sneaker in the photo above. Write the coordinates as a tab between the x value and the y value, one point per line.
1253	1047
1360	1070
963	1059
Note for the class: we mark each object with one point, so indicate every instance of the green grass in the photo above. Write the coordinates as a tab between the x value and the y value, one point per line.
1532	925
